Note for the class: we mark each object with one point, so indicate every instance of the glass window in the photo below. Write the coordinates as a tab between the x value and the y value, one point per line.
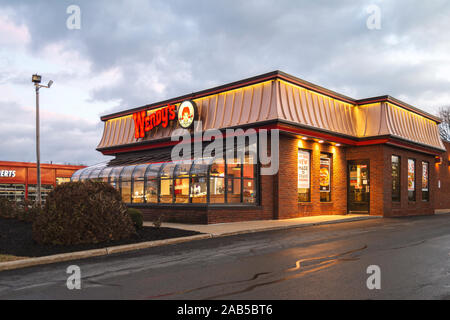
76	175
425	181
12	192
45	190
103	176
61	180
93	175
166	191
151	191
125	183
249	194
115	176
152	171
395	161
325	175
85	174
181	186
138	183
152	182
234	190
199	183
304	175
217	181
249	166
411	180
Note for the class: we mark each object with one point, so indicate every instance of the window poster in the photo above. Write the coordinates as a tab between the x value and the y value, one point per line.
325	172
303	169
411	173
424	176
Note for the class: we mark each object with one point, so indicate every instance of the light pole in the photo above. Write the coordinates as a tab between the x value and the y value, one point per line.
36	79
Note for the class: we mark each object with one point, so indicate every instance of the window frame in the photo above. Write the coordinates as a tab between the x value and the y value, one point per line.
309	151
427	191
399	179
412	198
330	156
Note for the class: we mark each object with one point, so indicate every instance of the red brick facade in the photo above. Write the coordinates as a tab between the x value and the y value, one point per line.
279	199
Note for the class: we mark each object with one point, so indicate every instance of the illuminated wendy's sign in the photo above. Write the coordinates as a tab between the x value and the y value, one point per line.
144	122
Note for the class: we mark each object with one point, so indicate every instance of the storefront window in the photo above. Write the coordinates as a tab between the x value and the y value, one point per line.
138	183
249	183
45	190
94	173
199	183
76	175
217	182
411	180
152	182
166	191
325	177
61	180
114	177
395	161
85	174
425	181
181	187
304	175
103	176
13	192
125	180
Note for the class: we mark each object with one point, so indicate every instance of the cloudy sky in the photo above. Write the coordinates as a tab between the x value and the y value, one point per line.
130	53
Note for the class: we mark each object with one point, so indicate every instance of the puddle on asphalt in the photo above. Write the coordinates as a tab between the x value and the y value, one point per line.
302	267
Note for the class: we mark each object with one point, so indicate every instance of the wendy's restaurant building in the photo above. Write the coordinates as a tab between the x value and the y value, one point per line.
18	180
296	149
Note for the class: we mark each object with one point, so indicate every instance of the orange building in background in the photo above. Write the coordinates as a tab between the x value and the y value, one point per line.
18	179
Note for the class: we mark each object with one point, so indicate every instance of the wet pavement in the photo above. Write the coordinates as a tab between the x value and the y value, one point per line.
317	262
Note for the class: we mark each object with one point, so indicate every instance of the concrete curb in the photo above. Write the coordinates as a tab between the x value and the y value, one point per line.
29	262
295	226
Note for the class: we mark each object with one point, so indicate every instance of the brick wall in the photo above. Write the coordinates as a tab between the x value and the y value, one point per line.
279	199
289	207
405	207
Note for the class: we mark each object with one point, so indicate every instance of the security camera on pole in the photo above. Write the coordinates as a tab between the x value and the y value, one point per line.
36	79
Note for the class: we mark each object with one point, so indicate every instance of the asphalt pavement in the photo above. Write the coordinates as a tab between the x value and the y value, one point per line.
317	262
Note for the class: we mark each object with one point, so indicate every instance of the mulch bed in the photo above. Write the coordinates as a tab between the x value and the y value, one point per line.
16	239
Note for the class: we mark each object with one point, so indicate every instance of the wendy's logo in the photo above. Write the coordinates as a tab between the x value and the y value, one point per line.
187	113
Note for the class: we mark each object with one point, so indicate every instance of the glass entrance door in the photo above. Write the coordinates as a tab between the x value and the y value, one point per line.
358	186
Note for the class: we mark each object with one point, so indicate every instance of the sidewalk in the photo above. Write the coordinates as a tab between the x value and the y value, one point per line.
208	231
224	229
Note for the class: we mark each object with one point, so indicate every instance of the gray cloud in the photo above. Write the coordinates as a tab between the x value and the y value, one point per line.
63	140
169	48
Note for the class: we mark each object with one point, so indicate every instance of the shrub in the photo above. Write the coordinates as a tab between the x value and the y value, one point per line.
23	210
136	217
27	210
82	213
7	209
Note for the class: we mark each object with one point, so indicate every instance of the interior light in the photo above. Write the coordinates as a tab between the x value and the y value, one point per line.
338	144
305	138
320	141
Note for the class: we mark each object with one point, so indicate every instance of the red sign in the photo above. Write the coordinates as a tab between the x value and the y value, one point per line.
144	123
